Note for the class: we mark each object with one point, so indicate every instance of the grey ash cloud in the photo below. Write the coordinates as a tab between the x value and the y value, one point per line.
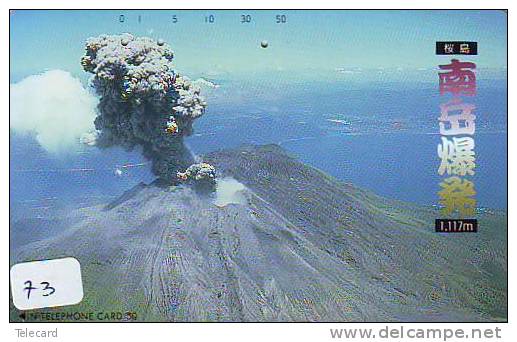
143	100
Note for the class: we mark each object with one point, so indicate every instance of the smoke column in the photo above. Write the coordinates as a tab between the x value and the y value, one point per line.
143	101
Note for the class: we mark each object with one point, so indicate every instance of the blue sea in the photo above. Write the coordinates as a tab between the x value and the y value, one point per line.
379	136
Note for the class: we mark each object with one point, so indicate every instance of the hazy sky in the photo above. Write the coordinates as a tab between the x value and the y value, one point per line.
309	42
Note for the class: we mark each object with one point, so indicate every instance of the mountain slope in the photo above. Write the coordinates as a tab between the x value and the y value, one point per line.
302	247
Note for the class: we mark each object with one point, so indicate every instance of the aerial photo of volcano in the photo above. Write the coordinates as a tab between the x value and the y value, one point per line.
262	166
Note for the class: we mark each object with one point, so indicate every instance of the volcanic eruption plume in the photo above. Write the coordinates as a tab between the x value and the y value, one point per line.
143	101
